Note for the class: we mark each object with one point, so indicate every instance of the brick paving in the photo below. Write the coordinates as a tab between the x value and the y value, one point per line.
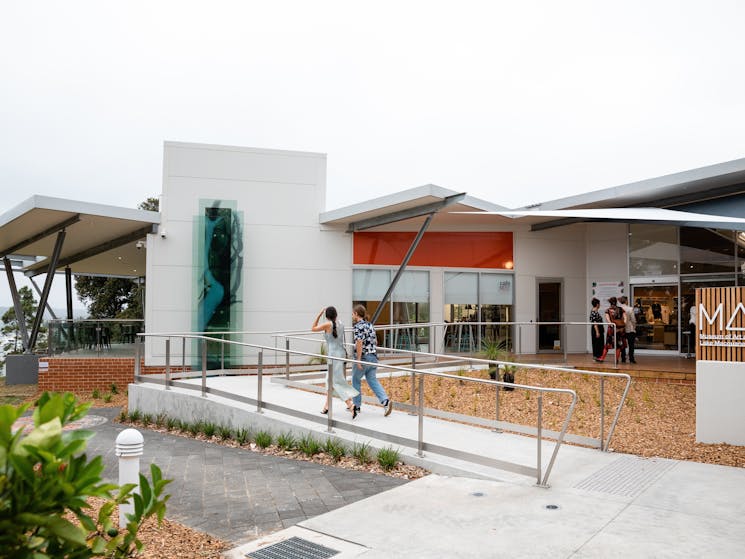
235	494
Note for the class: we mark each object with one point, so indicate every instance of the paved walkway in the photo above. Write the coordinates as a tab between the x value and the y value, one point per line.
235	494
599	504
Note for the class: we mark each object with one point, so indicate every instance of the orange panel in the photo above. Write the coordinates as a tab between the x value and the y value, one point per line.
448	250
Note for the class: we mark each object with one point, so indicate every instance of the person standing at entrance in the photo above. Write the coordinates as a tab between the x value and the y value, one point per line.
616	325
630	329
366	349
597	330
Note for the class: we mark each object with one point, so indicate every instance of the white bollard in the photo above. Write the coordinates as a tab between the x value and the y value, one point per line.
129	447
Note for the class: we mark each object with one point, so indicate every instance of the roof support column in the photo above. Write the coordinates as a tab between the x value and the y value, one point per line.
45	293
20	317
68	291
401	269
49	307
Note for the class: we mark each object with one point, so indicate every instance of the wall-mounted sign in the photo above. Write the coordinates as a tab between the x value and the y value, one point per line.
720	323
604	290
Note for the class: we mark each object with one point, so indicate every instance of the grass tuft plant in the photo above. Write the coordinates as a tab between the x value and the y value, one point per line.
160	419
309	445
263	439
96	394
224	432
123	415
388	458
147	419
171	423
107	398
334	448
114	389
286	441
209	429
193	428
361	451
242	436
135	416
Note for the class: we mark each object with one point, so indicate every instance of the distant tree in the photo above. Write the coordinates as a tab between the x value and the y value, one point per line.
11	328
113	297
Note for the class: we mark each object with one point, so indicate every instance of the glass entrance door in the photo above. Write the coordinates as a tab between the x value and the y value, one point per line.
656	308
549	310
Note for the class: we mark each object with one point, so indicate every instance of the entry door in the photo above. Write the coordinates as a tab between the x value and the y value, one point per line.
550	310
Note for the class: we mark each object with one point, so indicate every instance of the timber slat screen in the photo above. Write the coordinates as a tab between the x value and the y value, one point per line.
720	324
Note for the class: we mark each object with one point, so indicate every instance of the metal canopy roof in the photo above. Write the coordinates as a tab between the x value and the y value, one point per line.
541	218
99	240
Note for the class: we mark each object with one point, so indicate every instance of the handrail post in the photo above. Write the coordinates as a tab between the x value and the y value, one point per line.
138	357
168	363
539	437
565	341
183	354
287	359
260	377
496	405
420	436
602	412
204	367
329	396
413	383
222	355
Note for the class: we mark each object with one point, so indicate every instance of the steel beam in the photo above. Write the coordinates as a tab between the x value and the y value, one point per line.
45	293
401	269
20	316
48	231
49	307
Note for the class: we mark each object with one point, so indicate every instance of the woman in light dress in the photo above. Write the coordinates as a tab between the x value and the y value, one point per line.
333	332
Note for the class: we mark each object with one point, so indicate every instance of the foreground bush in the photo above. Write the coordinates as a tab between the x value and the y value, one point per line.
43	475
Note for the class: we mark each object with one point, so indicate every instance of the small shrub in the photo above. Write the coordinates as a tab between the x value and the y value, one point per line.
309	445
263	439
388	458
209	429
107	398
135	416
96	394
242	436
160	419
286	441
147	419
192	428
361	451
114	389
334	448
123	415
224	432
172	423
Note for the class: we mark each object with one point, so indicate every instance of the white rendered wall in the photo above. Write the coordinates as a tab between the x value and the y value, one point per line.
720	415
557	253
291	265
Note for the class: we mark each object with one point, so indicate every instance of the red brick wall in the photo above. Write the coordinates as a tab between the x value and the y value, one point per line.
86	375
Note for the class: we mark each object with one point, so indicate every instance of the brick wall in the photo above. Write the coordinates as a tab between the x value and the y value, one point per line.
85	375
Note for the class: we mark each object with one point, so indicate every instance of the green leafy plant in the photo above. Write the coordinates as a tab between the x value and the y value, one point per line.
107	398
224	432
286	441
96	394
319	360
263	439
172	423
309	445
123	415
362	452
114	389
334	448
147	419
160	419
388	458
45	474
135	416
193	428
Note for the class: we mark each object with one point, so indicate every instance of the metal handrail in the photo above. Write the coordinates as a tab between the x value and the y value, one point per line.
541	478
604	444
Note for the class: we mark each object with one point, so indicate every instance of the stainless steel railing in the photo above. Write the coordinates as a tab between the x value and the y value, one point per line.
600	442
419	443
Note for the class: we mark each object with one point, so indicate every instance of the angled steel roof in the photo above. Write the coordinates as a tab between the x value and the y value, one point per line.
99	239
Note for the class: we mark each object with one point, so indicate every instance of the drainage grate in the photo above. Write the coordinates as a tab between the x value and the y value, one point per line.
293	548
628	476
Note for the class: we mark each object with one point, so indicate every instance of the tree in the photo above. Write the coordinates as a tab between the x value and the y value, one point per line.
113	297
11	326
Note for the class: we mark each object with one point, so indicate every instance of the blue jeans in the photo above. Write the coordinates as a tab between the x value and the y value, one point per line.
371	376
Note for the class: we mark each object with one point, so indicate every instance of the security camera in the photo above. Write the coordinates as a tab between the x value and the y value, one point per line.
140	245
162	233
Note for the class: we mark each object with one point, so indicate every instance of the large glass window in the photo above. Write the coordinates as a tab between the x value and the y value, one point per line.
704	251
656	310
495	298
653	250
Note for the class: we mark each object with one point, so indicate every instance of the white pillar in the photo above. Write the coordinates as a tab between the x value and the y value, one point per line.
129	448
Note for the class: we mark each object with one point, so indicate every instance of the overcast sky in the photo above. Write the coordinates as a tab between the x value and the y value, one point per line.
514	102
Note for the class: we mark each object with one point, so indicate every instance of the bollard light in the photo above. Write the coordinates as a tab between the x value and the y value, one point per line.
129	447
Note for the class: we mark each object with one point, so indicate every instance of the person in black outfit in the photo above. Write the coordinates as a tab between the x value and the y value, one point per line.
597	330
